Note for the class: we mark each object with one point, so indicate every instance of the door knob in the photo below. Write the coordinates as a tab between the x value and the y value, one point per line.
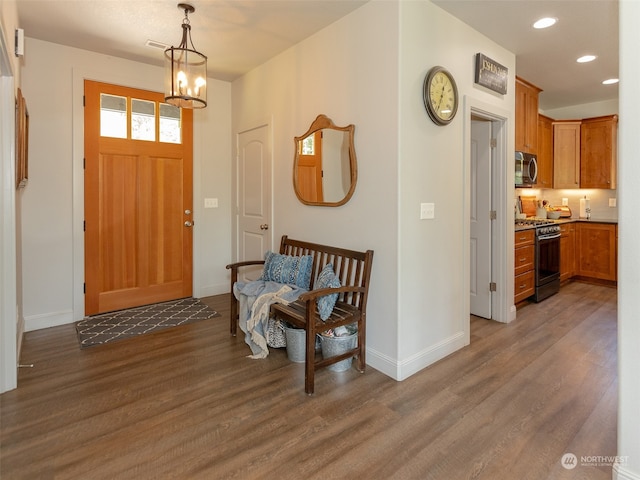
188	224
264	226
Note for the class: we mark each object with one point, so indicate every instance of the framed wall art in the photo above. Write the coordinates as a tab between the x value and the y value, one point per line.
22	141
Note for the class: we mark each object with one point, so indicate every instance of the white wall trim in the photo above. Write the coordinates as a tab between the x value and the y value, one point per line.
9	328
215	289
502	192
620	473
401	370
46	320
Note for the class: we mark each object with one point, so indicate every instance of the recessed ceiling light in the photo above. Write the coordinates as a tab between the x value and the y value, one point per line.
586	58
545	22
610	81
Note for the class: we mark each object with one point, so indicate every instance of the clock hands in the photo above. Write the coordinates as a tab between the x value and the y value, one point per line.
441	96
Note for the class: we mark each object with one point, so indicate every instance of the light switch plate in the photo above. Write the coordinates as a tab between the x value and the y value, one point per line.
427	211
210	203
613	202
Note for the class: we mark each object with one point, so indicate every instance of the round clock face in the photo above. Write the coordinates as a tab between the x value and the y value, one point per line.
440	95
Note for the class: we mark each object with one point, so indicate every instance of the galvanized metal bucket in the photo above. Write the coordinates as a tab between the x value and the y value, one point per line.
295	343
334	346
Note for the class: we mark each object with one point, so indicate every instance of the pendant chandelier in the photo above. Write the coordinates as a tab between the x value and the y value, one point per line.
185	69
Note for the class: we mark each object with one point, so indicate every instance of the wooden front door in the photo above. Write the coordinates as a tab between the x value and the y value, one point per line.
138	198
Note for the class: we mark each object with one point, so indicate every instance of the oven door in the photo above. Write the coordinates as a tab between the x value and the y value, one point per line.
547	258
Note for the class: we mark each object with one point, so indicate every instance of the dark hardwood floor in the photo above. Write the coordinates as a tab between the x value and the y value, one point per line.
186	403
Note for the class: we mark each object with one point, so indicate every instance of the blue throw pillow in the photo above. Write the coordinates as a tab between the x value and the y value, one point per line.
326	279
287	269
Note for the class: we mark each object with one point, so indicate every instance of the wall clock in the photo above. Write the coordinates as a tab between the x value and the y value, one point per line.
440	95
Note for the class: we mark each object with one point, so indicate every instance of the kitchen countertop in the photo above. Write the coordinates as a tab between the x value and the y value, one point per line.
561	221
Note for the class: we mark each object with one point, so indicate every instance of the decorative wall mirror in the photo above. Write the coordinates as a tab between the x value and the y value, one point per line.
324	167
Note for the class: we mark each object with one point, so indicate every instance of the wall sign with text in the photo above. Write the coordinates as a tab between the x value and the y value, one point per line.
491	74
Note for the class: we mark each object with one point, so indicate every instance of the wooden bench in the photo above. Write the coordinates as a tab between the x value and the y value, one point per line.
354	271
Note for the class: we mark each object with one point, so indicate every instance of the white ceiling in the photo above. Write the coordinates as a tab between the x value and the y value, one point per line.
547	58
238	35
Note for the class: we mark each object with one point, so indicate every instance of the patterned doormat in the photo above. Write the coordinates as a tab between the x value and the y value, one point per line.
109	327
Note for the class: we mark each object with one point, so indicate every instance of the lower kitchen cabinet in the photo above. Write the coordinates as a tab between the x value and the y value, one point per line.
567	251
596	250
524	280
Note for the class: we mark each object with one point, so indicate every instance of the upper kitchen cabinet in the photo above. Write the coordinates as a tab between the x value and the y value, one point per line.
598	161
566	154
545	152
526	116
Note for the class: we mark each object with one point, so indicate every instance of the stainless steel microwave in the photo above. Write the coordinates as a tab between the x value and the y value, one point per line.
526	170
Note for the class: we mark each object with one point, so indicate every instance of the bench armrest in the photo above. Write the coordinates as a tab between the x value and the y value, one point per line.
234	307
235	266
321	292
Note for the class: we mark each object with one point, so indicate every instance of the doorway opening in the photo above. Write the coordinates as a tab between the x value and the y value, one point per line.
481	218
490	186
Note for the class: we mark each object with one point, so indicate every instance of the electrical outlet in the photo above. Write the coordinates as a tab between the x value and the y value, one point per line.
210	203
427	211
613	202
565	202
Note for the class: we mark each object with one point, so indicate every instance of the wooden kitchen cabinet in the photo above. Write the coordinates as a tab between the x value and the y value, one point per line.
566	154
545	152
526	116
567	251
596	250
524	274
598	160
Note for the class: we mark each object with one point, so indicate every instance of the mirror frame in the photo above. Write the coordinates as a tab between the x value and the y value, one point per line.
322	122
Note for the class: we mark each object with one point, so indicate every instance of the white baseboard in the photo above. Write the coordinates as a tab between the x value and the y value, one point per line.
20	333
621	473
404	369
210	290
54	319
46	320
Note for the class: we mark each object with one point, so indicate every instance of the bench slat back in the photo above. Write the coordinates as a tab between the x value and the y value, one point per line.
353	268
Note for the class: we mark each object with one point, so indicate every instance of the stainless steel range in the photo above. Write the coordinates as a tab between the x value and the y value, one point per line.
547	257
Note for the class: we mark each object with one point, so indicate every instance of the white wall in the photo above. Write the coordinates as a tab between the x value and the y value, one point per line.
373	79
433	265
347	71
629	253
53	200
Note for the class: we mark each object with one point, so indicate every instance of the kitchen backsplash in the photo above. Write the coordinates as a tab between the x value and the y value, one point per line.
599	200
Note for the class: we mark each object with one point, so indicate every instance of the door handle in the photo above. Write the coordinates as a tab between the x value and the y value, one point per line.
264	226
188	223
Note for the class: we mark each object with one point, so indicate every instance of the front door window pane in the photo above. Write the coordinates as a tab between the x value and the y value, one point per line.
169	123
143	120
113	116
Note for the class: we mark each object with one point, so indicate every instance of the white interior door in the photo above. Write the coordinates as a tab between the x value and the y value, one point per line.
254	197
480	227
